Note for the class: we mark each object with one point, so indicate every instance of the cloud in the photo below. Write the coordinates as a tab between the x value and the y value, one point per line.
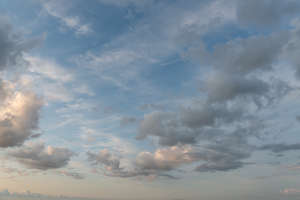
105	158
222	87
19	117
111	166
291	48
165	159
125	3
13	46
222	158
279	148
55	9
266	13
184	127
243	56
48	69
225	155
37	156
74	175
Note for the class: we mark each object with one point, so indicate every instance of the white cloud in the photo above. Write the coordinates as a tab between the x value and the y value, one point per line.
48	69
54	9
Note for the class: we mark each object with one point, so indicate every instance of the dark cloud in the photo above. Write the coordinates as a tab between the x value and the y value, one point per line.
266	13
298	118
37	156
279	148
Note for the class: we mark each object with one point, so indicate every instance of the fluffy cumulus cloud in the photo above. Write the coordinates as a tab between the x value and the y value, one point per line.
19	109
38	156
166	159
19	117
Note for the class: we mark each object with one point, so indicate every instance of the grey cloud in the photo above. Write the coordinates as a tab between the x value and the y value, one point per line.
37	156
12	45
266	13
111	165
221	158
167	128
105	158
220	166
222	87
185	127
279	148
292	48
243	56
226	153
125	3
74	175
298	118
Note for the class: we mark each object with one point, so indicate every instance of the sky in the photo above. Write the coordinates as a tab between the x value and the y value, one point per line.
149	99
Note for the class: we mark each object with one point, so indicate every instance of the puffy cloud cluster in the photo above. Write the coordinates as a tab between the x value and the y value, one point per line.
38	156
165	159
239	88
19	117
105	158
186	126
224	156
19	110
